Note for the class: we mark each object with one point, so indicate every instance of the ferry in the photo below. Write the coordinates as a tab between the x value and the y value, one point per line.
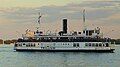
88	40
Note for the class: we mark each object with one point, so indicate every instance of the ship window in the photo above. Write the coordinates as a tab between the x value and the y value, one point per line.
96	44
83	31
77	44
23	43
89	44
74	45
100	44
15	45
103	44
107	45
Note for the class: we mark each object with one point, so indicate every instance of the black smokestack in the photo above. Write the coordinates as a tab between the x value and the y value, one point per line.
65	25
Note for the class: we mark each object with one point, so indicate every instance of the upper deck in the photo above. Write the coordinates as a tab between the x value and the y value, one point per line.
46	38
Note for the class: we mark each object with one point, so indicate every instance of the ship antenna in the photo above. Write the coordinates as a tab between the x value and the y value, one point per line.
84	19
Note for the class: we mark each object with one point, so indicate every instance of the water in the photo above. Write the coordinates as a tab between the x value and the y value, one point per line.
11	58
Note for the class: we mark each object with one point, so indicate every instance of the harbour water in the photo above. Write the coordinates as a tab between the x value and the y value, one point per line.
11	58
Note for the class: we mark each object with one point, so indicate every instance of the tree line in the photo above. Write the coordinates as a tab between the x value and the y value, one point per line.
7	41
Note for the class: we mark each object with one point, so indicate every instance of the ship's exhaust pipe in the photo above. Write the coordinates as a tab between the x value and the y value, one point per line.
65	25
64	31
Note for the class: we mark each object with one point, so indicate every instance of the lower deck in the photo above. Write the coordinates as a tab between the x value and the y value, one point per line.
64	46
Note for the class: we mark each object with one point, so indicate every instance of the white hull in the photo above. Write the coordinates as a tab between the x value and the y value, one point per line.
62	46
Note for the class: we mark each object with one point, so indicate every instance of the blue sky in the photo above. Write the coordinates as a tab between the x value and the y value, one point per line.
18	15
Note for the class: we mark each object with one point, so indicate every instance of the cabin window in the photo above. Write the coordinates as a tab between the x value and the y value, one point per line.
87	32
74	45
15	45
96	44
90	44
103	45
77	44
100	44
107	45
23	43
83	31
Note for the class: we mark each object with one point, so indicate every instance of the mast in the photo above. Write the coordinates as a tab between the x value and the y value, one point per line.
39	20
84	20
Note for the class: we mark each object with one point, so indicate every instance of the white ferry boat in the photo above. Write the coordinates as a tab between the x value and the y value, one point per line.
85	41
